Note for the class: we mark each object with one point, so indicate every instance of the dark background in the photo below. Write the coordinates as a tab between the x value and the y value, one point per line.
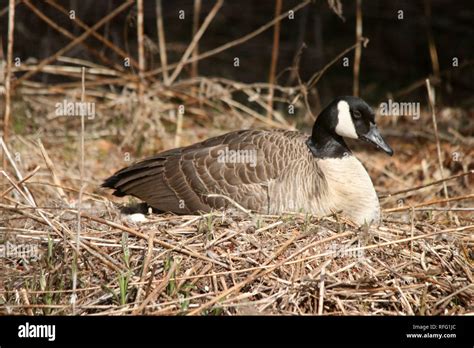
396	56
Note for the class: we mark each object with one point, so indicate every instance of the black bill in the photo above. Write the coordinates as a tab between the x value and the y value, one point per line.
373	136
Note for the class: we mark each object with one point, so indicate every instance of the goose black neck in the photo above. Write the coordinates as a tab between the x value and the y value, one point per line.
326	144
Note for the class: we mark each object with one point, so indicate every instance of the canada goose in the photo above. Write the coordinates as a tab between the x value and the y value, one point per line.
268	171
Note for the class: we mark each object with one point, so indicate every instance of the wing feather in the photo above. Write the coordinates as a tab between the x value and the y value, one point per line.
180	180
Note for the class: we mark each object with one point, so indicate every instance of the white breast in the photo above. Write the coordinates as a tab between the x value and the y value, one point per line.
350	188
323	186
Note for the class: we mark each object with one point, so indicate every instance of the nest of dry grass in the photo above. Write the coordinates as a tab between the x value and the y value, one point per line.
233	263
418	261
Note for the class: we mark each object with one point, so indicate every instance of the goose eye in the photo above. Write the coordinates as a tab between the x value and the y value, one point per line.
357	114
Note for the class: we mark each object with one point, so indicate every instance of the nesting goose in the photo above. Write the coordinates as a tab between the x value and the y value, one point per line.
268	171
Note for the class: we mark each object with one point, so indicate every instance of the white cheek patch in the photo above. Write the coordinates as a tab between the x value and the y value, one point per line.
345	126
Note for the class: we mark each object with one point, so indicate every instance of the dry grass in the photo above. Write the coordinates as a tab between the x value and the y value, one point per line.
418	261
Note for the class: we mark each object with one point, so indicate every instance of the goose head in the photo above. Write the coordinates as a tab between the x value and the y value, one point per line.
345	117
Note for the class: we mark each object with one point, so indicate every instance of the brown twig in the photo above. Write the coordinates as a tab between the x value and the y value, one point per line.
6	8
69	35
25	192
317	76
73	43
274	61
26	178
358	48
431	99
79	199
196	13
156	292
141	52
162	42
321	289
146	265
179	129
431	41
99	37
232	43
439	201
419	187
313	80
195	40
51	168
24	296
433	79
8	89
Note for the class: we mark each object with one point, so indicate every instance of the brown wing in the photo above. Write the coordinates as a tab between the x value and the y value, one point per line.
238	165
